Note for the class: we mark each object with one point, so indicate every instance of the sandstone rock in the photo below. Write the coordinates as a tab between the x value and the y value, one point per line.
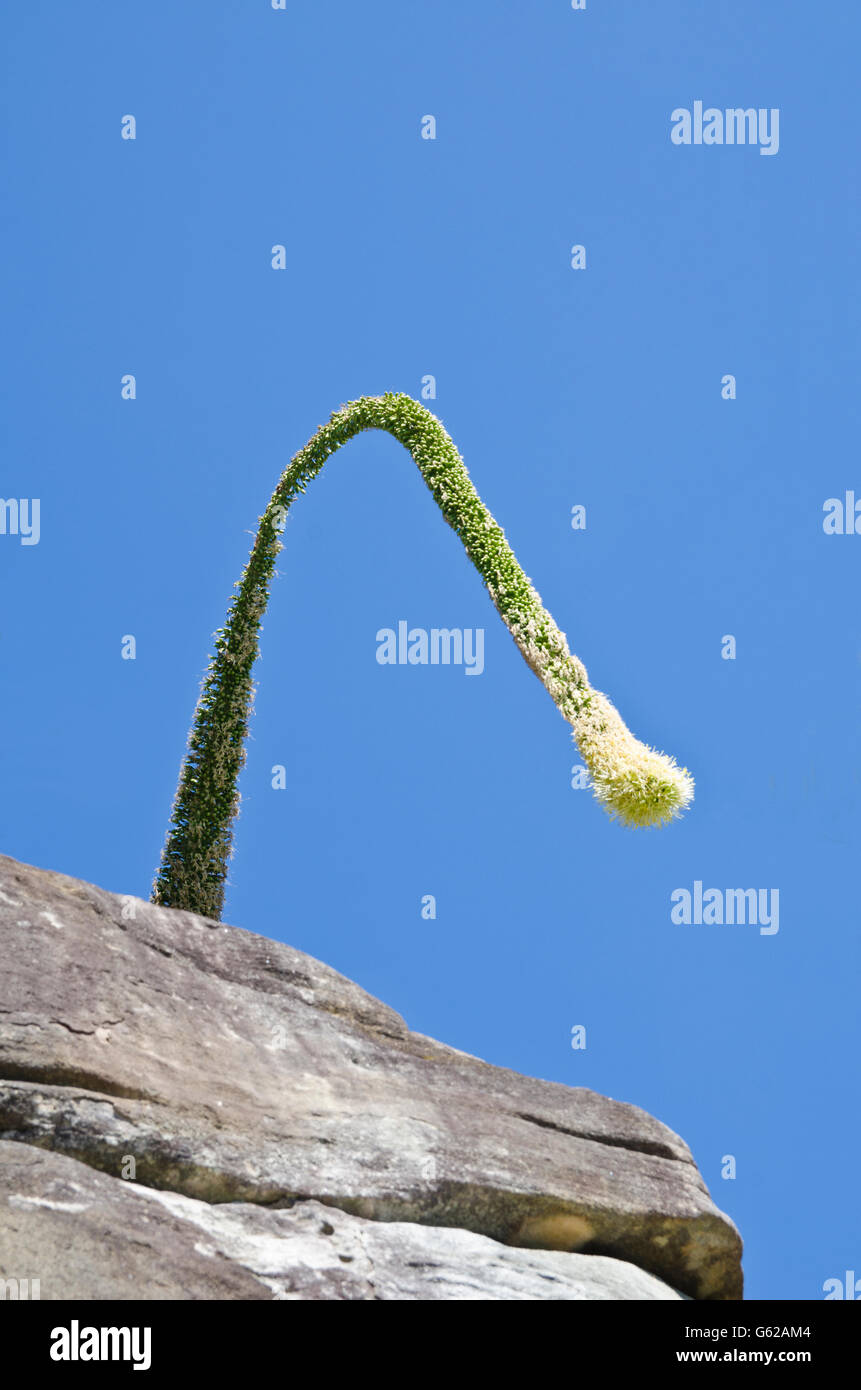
133	1242
236	1069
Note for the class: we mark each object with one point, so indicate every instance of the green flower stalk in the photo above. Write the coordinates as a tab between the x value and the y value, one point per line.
635	784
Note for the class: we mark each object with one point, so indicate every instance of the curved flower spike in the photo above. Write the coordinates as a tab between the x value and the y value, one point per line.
635	784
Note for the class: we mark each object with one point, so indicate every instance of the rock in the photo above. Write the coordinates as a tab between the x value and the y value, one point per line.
235	1069
134	1242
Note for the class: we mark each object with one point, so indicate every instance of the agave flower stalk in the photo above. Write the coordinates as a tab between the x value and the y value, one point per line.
635	784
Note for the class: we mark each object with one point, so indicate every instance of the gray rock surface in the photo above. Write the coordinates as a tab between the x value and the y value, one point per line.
236	1069
134	1242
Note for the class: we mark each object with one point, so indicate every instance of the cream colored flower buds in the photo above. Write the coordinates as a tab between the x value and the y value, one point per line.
633	783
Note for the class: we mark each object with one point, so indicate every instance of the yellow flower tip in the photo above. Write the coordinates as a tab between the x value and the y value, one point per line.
653	791
635	784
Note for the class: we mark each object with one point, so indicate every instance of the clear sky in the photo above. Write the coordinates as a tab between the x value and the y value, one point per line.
599	387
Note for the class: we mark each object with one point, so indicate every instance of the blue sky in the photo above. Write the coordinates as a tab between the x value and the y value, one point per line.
599	387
